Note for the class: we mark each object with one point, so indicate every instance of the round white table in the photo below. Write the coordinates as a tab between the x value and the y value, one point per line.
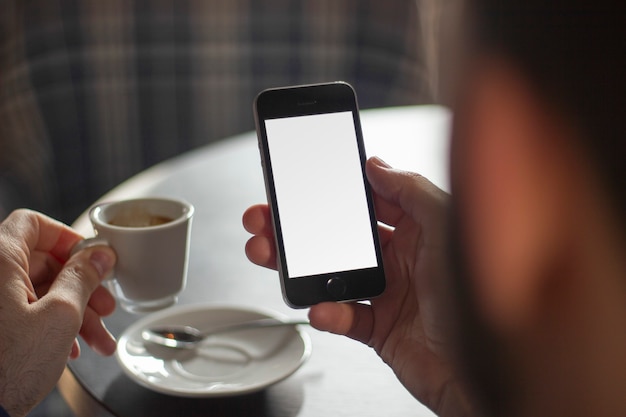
342	377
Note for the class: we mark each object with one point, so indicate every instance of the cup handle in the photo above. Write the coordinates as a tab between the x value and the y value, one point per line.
89	243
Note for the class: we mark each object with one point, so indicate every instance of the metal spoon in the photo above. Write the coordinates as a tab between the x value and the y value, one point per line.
188	337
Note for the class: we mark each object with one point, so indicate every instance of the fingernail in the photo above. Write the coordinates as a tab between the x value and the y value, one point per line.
379	162
102	261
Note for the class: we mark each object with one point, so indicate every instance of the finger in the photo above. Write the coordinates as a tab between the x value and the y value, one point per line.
409	191
96	335
66	300
82	274
354	320
102	302
387	212
33	231
43	267
385	233
256	220
261	251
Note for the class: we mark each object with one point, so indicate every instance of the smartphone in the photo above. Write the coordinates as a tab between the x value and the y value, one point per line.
313	160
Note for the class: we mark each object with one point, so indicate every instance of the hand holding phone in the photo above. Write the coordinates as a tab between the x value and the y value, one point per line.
322	211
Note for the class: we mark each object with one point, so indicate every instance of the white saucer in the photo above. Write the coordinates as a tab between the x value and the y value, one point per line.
225	364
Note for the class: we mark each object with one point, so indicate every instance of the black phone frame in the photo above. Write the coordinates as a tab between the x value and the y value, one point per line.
305	100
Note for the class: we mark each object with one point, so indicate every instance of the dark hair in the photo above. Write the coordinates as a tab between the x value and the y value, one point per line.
574	52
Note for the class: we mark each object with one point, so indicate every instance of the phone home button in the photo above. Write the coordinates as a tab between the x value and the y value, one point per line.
336	287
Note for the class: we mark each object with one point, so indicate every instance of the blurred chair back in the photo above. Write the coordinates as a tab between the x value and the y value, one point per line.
93	91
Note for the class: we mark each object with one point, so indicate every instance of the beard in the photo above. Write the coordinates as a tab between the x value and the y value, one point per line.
479	352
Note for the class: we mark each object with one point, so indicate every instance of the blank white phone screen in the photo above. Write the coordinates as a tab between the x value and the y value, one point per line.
320	194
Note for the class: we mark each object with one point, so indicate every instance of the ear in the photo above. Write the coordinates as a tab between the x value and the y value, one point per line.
514	173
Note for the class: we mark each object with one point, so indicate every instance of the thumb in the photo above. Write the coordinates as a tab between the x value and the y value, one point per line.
412	192
354	320
81	275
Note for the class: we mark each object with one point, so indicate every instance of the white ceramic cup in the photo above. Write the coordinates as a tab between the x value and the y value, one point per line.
151	239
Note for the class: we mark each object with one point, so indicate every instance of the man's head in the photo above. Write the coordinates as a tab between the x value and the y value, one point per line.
539	185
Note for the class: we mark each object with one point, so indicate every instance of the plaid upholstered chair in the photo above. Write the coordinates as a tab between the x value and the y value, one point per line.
92	91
